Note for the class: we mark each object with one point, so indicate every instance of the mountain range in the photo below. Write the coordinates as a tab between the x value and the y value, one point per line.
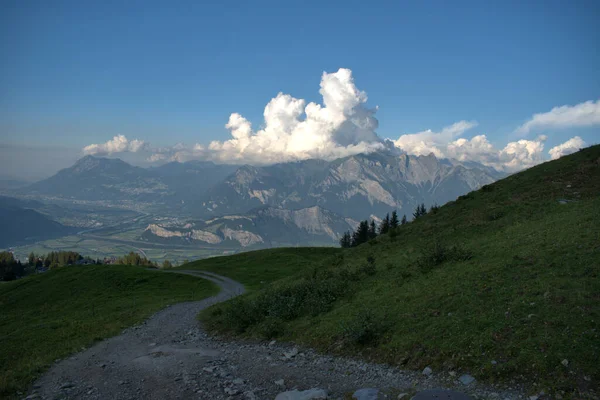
294	203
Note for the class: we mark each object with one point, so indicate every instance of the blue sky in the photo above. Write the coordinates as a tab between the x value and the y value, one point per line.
76	73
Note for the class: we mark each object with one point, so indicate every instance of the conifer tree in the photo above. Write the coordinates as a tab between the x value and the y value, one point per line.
417	212
372	230
361	235
404	221
346	240
394	220
385	225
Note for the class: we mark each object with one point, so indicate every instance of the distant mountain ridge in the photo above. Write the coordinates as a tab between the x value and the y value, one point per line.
354	186
270	204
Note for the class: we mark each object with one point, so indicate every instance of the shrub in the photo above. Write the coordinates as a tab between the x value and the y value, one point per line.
437	253
364	328
495	215
272	328
239	314
369	268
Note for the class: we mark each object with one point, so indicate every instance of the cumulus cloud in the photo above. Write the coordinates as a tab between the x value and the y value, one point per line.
513	157
579	115
295	130
118	144
426	142
570	146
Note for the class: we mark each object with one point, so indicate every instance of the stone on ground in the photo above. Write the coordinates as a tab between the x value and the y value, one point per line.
366	394
466	379
310	394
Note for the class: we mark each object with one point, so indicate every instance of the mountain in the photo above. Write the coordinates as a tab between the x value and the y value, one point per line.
263	227
21	224
355	186
189	180
93	178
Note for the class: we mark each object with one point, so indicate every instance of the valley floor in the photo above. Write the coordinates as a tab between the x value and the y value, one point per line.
170	356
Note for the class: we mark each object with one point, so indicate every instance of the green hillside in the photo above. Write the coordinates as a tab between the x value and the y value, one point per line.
502	284
257	268
49	316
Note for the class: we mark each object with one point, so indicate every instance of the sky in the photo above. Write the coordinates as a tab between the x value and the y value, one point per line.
505	83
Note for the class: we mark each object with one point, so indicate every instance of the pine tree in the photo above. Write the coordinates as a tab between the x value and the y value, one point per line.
404	221
385	225
372	230
423	209
346	240
417	212
361	235
394	220
31	259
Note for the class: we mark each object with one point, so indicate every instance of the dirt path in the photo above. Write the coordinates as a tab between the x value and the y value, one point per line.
171	357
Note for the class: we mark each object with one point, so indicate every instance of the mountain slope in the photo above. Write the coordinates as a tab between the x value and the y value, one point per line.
356	186
93	178
262	227
20	224
502	284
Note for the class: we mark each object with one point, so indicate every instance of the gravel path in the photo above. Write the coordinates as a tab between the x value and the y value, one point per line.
171	357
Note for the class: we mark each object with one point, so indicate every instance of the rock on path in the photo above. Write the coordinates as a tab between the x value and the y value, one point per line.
170	356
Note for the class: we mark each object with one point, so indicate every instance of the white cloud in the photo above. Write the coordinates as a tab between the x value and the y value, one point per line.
294	130
579	115
513	157
425	142
521	154
570	146
118	144
342	125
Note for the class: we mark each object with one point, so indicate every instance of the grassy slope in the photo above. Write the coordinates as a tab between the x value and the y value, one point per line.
255	268
49	316
527	299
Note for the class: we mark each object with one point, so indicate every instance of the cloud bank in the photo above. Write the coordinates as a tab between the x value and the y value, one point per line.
513	157
118	144
343	125
580	115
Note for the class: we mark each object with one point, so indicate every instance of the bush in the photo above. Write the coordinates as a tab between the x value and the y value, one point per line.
239	314
437	253
272	328
364	328
369	268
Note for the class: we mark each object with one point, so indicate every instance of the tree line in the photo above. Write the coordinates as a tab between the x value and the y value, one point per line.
11	268
368	230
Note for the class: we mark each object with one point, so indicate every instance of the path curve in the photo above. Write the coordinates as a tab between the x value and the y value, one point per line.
171	357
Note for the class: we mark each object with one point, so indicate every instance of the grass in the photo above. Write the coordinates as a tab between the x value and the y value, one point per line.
52	315
502	284
257	268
